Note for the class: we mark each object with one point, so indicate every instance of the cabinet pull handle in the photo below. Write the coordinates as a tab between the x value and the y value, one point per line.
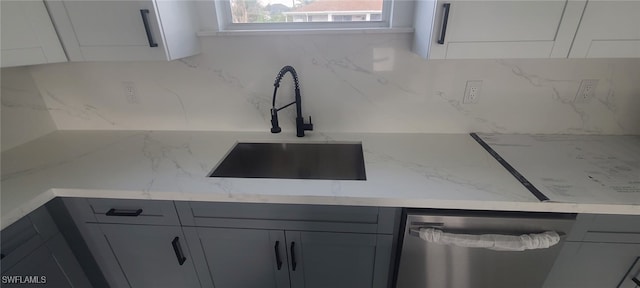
118	212
145	19
293	256
635	280
178	249
443	31
278	260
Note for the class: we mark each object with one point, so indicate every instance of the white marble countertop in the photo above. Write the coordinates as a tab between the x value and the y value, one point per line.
575	168
403	170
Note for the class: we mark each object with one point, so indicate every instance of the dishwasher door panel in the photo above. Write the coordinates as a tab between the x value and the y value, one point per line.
430	265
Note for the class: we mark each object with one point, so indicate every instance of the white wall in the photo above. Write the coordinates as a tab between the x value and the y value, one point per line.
24	115
363	83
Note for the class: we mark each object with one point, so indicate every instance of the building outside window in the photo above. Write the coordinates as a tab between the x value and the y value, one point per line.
279	11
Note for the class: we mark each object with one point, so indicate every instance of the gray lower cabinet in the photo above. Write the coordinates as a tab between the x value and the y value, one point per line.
257	258
41	267
34	254
289	245
601	251
142	256
593	265
248	258
338	260
144	243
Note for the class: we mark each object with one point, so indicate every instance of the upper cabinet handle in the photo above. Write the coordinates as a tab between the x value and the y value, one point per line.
443	31
118	212
145	19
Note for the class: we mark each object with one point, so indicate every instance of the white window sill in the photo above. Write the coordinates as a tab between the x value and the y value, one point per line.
207	33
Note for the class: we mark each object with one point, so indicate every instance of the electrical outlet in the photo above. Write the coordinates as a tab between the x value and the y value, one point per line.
472	92
587	91
130	92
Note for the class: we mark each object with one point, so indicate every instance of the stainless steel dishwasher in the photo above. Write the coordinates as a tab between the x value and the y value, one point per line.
424	264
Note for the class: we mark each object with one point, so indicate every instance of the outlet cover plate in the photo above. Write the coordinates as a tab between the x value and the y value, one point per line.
587	91
129	91
472	92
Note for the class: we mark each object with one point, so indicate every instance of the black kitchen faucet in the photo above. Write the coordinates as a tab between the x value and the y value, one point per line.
300	125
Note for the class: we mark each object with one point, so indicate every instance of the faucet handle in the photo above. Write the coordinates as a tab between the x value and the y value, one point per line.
308	126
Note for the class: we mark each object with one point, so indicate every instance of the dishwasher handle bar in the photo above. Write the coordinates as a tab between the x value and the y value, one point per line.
415	231
497	242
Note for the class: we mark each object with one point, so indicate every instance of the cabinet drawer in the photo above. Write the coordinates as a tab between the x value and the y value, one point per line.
126	211
153	212
285	212
287	216
606	228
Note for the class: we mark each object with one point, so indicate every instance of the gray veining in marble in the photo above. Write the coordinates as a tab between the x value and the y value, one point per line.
575	168
349	83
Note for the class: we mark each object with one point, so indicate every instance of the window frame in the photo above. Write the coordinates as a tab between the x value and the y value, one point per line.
225	21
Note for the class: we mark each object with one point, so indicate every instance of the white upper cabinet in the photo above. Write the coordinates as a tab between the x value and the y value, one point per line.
608	29
126	30
28	36
477	29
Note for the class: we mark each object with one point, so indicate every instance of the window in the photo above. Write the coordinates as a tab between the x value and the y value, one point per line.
303	14
341	18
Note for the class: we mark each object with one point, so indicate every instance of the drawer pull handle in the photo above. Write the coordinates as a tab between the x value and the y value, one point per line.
278	260
293	256
443	31
145	20
178	250
635	280
129	213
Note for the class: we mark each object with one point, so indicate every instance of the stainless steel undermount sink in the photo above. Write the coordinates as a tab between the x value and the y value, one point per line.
329	161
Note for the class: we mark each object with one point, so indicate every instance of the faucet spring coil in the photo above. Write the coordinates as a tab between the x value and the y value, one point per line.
283	71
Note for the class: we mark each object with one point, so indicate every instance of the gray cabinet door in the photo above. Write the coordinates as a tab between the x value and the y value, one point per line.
244	257
39	268
592	265
33	251
336	260
144	255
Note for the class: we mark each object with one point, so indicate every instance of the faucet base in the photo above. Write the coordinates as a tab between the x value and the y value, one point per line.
301	126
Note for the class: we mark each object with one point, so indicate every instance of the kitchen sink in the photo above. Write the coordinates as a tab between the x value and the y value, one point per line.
331	161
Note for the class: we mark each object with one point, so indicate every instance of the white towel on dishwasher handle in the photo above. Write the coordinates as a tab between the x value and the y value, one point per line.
492	241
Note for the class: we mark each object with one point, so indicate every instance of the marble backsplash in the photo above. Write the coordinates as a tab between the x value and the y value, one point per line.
24	116
349	83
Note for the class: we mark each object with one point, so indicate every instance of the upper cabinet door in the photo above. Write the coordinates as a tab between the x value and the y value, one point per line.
609	29
498	29
126	30
28	36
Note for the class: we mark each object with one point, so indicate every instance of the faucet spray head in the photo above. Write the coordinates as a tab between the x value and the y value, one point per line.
275	127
